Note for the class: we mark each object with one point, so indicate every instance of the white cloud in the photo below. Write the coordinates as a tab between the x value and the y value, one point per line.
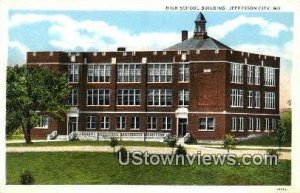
270	29
20	47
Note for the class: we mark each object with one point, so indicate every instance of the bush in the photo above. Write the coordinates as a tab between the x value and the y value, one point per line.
172	143
229	142
271	153
180	150
26	178
113	143
123	153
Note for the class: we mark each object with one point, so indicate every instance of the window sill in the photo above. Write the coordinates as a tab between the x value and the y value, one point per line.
233	130
236	107
128	105
159	105
97	105
104	129
41	127
119	129
206	130
151	129
129	82
270	108
90	128
241	131
134	129
98	82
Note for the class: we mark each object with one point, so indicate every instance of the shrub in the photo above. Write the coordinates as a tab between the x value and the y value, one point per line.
123	153
180	150
113	143
229	142
172	143
271	153
26	178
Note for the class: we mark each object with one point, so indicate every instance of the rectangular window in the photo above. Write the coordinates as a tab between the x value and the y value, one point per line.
274	124
267	124
129	73
184	73
91	122
99	72
152	123
250	99
257	99
121	122
237	73
104	122
73	73
233	124
269	100
98	97
128	97
135	123
167	123
160	97
184	97
257	128
269	76
237	97
159	72
44	122
241	123
207	124
237	123
250	74
257	75
73	98
251	124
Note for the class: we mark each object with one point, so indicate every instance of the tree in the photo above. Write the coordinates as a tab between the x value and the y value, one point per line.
229	142
181	150
113	143
172	143
283	133
32	93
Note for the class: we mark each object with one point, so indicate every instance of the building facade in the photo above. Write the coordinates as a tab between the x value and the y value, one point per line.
199	87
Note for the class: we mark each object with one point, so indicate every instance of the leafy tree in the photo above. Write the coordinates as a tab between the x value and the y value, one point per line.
283	133
113	143
172	143
229	142
32	93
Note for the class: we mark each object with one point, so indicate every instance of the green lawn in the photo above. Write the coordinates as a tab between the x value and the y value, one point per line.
91	143
103	168
264	141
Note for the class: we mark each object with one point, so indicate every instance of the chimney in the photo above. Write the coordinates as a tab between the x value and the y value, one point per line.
184	35
121	49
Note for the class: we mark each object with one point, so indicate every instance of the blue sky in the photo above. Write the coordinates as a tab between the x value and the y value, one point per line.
39	30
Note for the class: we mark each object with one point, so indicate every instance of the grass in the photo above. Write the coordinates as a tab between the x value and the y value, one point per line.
88	143
15	137
103	168
268	140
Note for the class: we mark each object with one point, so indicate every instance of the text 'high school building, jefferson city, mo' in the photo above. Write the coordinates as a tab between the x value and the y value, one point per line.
198	88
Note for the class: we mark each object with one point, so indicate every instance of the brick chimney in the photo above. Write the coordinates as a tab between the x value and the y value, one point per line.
184	35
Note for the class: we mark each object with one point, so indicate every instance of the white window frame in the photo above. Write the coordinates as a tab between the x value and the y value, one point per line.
257	124
237	73
184	95
73	98
184	72
241	124
167	123
233	123
269	76
121	123
105	122
237	98
43	122
250	99
162	72
250	74
257	75
151	123
257	99
160	97
98	73
267	124
270	100
133	97
129	73
250	124
99	95
91	122
73	73
209	126
135	123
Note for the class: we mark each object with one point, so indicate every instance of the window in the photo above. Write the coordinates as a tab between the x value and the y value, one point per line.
250	99
184	72
152	123
121	122
159	72
207	124
167	123
257	128
98	97
99	73
91	122
269	76
44	122
237	73
184	97
73	73
250	74
269	100
257	99
73	98
267	124
236	98
274	124
257	75
251	124
128	97
159	97
135	123
104	122
129	72
237	123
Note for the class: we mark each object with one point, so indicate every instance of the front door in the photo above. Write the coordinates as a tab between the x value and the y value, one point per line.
182	127
72	124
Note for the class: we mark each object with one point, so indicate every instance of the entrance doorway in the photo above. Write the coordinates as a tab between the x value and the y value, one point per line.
182	127
72	124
